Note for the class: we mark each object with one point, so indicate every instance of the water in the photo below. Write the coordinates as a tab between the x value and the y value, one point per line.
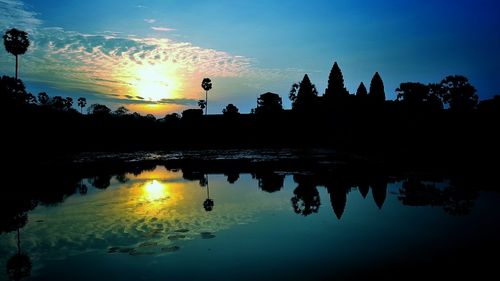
160	224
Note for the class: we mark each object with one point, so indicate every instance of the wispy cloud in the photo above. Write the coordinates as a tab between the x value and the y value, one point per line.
160	28
150	20
120	68
111	63
14	13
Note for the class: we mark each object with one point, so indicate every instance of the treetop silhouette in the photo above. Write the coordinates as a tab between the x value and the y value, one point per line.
16	42
459	94
206	84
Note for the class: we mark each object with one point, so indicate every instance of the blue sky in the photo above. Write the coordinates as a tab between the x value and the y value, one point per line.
152	55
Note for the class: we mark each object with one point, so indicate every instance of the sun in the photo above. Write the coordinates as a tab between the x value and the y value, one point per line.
155	82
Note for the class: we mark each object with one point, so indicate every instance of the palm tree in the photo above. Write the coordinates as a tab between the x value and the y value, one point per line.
16	42
206	84
82	102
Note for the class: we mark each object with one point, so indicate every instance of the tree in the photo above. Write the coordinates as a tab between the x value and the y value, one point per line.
269	103
68	103
202	104
13	90
150	117
57	102
230	110
303	95
43	98
121	111
459	94
82	102
99	109
418	97
361	93
30	99
172	117
192	114
206	84
16	42
377	92
336	89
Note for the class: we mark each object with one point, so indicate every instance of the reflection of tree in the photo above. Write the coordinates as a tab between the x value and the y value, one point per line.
19	265
121	178
101	181
306	197
232	177
190	175
270	181
457	201
454	199
82	188
415	193
208	204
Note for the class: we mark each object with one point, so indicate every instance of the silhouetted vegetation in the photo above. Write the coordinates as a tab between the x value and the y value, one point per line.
16	42
206	84
443	123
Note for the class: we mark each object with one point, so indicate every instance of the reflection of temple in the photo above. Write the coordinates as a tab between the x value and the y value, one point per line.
338	187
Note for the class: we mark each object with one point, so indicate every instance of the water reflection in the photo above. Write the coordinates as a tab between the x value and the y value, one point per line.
208	204
154	209
154	190
19	265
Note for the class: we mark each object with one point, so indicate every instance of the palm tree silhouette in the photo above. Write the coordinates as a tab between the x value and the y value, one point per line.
82	102
16	42
206	84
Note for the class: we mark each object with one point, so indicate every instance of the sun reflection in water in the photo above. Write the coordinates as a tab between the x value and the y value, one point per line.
155	190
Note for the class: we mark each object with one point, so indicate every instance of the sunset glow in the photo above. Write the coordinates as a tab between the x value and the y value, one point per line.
155	82
152	57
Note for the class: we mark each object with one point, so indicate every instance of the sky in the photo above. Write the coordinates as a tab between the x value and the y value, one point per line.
151	56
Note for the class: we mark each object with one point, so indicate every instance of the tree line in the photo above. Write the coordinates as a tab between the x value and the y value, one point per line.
362	122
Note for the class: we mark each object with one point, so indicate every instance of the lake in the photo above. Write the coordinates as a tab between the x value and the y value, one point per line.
196	222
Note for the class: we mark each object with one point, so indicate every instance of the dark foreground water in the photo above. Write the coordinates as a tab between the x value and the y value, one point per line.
160	224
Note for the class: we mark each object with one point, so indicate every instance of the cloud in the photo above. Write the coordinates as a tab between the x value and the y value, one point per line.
150	20
14	13
162	29
178	101
111	63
